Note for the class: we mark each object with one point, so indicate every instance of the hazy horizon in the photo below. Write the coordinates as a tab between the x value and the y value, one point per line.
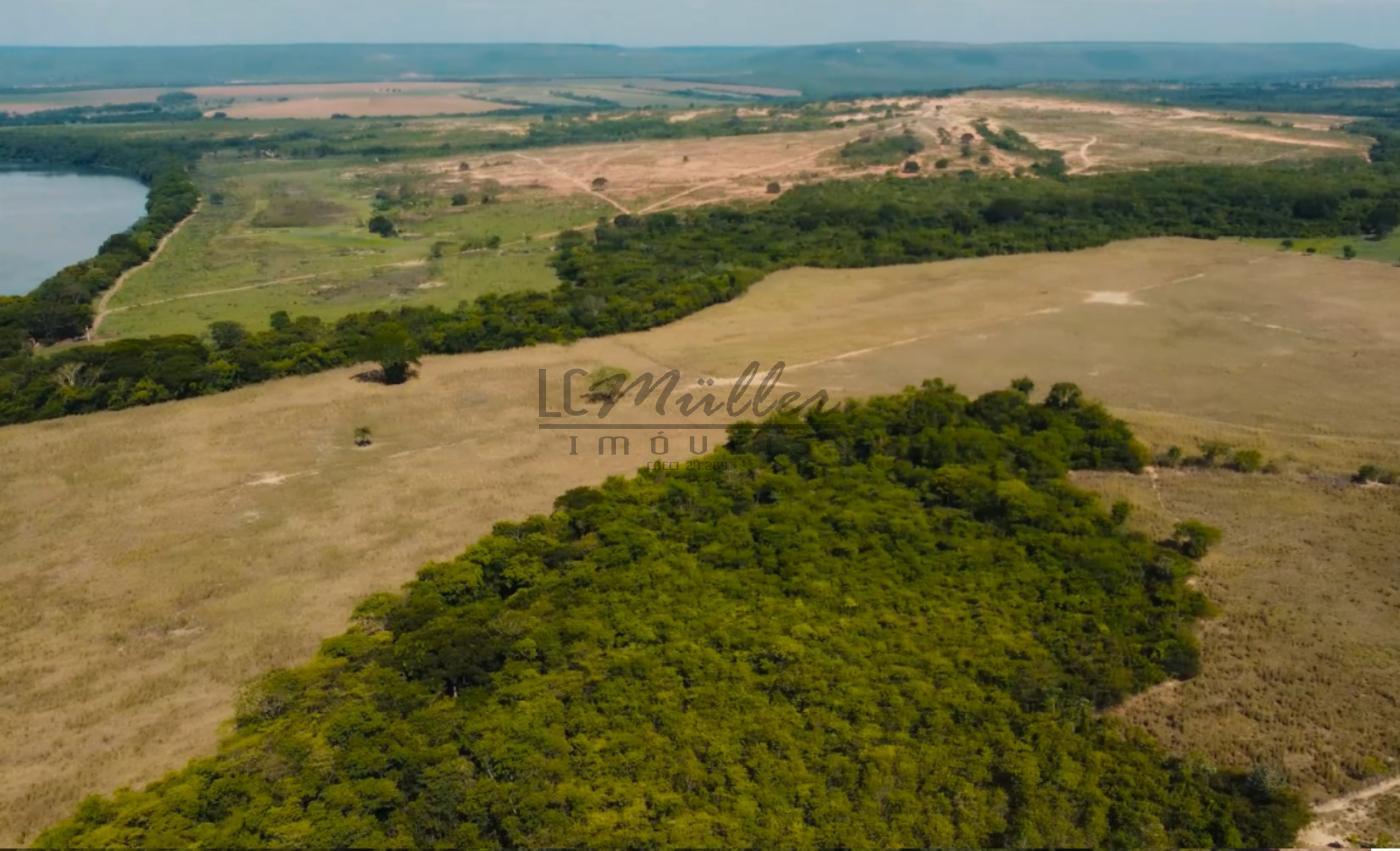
693	23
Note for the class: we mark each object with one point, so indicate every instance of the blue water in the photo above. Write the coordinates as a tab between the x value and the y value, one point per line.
51	219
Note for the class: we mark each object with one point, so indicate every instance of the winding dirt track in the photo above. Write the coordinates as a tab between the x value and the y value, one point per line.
1329	823
1086	162
102	304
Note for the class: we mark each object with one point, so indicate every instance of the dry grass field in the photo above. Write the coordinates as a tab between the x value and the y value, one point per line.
1301	669
25	104
406	98
366	106
353	99
158	558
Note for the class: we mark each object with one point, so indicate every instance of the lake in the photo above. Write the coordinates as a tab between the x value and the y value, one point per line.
51	219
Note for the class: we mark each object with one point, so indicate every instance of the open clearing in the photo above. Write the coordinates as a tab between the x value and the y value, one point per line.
249	525
1100	136
290	235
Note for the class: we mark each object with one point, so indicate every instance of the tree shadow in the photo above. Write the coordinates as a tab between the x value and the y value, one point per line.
370	376
379	376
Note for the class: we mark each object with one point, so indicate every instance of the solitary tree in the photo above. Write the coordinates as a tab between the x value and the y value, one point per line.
394	349
775	188
1349	252
912	167
459	200
382	226
599	184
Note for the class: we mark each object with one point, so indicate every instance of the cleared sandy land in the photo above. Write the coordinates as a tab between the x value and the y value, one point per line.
156	559
1102	136
656	175
648	176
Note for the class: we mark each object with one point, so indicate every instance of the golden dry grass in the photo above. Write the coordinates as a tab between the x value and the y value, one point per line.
26	104
363	107
326	90
156	559
1301	668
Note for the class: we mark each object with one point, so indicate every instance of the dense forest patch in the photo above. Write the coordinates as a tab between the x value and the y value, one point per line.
885	624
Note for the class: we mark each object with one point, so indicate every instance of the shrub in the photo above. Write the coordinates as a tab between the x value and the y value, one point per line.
1194	539
1247	461
1213	453
382	225
1373	474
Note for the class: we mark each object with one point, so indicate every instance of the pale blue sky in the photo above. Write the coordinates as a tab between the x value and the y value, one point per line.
1374	23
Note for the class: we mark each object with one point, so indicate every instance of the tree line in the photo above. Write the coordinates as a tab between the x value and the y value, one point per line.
172	106
892	623
638	272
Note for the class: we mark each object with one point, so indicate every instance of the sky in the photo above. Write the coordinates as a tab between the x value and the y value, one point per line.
1372	23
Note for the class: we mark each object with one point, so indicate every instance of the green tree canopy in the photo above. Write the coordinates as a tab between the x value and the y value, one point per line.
889	624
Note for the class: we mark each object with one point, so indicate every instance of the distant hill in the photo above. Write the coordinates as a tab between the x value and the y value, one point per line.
816	70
